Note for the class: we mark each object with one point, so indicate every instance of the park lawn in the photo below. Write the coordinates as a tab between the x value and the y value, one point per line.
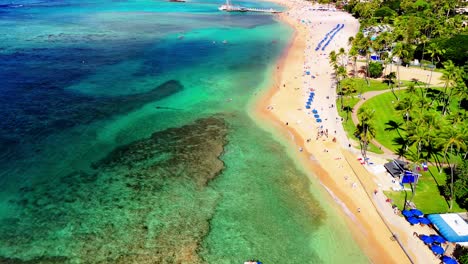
375	85
349	126
384	106
384	112
427	197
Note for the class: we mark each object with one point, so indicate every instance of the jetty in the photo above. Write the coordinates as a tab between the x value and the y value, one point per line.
228	7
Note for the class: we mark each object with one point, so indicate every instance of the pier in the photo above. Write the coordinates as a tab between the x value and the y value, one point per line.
228	7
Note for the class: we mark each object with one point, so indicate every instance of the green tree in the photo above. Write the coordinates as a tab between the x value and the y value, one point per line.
454	138
375	69
435	51
348	89
365	130
390	80
400	52
451	75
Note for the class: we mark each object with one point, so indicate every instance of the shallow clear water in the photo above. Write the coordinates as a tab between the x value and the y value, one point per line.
125	139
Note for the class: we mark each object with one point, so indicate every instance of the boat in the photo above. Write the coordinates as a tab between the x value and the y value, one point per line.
177	1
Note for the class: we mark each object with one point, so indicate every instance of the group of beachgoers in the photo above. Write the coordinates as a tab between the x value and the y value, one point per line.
316	54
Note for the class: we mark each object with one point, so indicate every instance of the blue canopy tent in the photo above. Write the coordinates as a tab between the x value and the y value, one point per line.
451	226
448	260
426	239
413	220
437	249
410	177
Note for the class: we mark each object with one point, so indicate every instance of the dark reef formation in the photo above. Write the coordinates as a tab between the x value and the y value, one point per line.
146	202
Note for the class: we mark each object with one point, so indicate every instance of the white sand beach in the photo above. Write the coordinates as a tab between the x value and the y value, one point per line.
335	164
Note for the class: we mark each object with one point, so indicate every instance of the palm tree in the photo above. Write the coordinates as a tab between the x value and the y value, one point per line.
363	44
450	76
341	74
342	54
454	138
461	91
435	51
347	90
406	105
399	51
389	78
353	53
365	129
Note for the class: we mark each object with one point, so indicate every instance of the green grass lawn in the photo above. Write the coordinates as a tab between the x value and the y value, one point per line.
348	124
384	112
427	197
384	106
374	85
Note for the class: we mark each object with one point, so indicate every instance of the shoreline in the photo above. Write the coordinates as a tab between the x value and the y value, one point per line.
284	99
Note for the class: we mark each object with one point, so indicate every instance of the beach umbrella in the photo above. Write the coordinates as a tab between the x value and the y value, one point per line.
413	220
416	212
307	106
314	111
424	221
406	213
438	239
316	116
437	249
426	239
319	120
448	260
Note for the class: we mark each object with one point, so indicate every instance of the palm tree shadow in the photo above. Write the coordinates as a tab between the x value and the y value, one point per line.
400	141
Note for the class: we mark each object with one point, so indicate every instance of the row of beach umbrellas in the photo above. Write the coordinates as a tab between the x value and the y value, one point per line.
327	36
432	239
434	242
415	216
314	111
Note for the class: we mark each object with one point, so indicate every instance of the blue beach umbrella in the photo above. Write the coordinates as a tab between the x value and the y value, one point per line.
318	120
424	221
426	239
307	106
448	260
406	213
438	239
413	220
437	249
416	212
314	111
316	116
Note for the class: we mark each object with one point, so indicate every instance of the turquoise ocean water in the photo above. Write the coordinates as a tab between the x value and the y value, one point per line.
125	138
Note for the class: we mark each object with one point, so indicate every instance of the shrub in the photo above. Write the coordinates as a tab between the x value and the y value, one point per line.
375	69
